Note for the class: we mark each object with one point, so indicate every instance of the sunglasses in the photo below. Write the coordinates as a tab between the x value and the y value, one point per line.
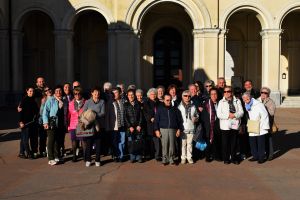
264	92
77	94
186	96
208	86
228	91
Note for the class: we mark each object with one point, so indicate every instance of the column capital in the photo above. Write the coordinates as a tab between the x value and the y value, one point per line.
265	33
207	32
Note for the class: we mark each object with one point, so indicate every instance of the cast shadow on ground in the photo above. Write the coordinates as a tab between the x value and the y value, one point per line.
284	142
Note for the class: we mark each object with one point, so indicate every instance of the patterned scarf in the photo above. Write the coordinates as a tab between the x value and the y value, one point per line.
231	106
120	113
78	105
188	108
212	113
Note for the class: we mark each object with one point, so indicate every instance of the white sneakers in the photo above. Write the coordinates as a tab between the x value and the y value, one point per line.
52	162
87	163
97	164
190	161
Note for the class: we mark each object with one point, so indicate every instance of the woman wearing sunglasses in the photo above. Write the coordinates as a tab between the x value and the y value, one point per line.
230	112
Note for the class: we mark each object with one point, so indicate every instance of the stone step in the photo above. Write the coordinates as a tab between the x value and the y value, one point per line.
291	102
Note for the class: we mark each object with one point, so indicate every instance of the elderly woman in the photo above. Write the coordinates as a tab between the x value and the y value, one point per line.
230	112
172	91
208	84
53	121
74	111
271	107
98	106
160	93
257	112
150	107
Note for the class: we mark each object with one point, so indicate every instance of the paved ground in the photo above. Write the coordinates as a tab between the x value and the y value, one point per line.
34	179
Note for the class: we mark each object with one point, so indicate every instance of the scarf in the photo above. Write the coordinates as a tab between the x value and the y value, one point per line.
188	111
231	106
60	102
120	113
78	105
249	105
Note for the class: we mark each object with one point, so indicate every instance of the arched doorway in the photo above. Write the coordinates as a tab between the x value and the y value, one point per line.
243	56
167	53
166	46
90	49
38	48
290	54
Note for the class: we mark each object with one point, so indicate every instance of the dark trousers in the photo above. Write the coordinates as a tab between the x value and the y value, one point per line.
149	150
269	145
157	147
52	146
118	140
42	134
229	138
217	146
106	147
210	151
257	145
90	141
24	142
33	136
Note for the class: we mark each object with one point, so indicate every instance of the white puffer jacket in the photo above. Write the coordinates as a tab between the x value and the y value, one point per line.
258	111
223	114
188	124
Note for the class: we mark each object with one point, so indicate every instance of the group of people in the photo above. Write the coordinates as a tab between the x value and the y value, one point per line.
166	124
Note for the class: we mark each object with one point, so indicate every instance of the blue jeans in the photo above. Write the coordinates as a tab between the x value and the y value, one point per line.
257	145
119	143
24	142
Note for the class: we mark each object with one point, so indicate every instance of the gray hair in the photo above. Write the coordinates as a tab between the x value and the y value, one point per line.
161	87
107	85
211	82
248	94
266	88
139	91
131	87
151	90
186	92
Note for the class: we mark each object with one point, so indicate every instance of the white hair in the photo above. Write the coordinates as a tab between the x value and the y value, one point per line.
151	90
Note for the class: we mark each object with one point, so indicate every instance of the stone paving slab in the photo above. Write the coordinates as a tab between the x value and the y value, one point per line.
278	179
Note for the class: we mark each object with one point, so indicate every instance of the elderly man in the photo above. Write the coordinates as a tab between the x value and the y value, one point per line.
248	87
167	126
221	83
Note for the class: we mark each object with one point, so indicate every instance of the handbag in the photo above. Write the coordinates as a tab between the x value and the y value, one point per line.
274	128
253	126
80	132
136	144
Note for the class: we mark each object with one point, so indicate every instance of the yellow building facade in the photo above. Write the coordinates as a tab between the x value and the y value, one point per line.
150	42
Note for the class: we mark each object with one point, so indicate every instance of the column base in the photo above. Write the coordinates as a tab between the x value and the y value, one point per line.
276	97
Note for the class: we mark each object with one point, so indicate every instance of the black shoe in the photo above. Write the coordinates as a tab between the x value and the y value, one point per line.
23	156
209	159
236	162
252	159
227	162
132	161
270	158
158	159
74	159
140	160
260	161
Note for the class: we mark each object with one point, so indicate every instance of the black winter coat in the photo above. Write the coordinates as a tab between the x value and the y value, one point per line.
29	111
149	112
132	114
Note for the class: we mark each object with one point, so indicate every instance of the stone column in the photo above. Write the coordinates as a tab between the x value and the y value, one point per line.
64	56
198	55
4	61
271	61
124	59
222	50
17	61
209	41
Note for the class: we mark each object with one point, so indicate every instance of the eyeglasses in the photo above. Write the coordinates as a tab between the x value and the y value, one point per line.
264	92
208	86
76	94
228	91
186	96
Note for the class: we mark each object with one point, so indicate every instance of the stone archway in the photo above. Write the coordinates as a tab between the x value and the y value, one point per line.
90	49
38	47
155	20
244	48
